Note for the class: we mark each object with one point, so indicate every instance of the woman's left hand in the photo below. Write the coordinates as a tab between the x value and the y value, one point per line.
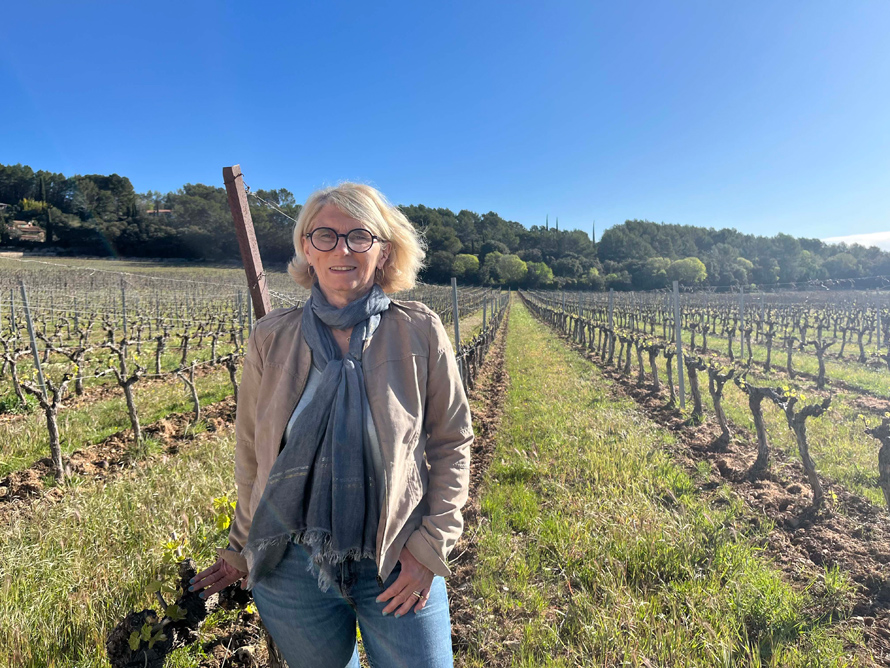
415	577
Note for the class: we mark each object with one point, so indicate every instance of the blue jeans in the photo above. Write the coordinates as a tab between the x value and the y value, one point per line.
315	629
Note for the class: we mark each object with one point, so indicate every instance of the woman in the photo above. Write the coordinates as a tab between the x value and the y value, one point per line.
352	456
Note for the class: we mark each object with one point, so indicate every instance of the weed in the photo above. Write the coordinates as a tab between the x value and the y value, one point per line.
147	447
10	404
837	592
192	430
703	470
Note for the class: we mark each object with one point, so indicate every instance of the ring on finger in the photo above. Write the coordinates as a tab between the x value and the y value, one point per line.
418	594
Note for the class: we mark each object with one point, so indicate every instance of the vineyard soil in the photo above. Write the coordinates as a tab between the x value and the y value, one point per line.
850	535
487	402
598	549
106	459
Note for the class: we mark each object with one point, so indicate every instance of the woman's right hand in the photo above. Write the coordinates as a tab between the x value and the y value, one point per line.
216	578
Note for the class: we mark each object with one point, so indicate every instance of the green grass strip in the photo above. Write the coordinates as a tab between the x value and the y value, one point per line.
600	551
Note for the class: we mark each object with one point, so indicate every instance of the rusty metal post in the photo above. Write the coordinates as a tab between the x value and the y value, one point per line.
250	253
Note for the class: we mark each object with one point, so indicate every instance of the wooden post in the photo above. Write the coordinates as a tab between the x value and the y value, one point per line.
742	322
250	253
124	303
679	341
460	366
456	315
34	350
484	311
241	317
249	322
15	334
611	306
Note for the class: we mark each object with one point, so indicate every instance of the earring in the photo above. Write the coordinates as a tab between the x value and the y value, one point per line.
311	270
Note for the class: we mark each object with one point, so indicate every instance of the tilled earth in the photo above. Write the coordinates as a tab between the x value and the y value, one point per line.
487	399
110	457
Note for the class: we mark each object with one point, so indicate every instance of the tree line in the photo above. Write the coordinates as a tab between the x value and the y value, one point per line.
103	215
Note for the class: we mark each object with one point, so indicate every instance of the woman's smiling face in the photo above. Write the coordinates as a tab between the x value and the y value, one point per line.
343	275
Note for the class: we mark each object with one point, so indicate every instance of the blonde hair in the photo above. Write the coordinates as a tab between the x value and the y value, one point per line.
368	206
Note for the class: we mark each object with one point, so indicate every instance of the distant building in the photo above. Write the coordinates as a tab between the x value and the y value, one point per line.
158	212
26	231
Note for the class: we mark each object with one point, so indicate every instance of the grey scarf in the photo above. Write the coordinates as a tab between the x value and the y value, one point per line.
321	491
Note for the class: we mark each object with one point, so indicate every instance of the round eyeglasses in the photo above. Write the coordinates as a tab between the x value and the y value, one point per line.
326	239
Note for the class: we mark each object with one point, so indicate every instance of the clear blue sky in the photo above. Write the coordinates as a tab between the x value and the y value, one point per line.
763	116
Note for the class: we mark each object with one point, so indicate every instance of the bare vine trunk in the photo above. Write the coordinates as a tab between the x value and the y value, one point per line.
55	445
797	422
159	351
232	366
653	364
789	349
692	367
769	353
189	382
131	409
716	382
809	466
669	367
755	405
17	386
882	433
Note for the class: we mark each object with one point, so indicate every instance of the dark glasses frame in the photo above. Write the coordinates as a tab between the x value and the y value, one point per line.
374	238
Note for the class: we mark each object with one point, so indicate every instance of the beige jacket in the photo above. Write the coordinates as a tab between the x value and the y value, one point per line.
413	386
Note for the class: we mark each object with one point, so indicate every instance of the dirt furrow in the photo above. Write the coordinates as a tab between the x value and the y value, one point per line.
104	460
848	532
487	400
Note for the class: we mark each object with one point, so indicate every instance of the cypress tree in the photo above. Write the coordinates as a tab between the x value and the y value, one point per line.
49	225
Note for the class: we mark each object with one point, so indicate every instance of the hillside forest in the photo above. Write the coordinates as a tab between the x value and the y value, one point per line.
103	215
